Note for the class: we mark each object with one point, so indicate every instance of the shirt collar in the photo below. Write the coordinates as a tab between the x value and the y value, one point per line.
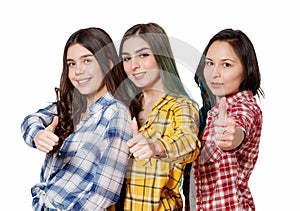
161	102
103	101
233	99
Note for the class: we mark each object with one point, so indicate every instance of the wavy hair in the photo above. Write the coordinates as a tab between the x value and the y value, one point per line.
160	45
70	102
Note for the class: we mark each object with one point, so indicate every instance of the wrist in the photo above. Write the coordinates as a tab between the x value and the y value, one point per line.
159	150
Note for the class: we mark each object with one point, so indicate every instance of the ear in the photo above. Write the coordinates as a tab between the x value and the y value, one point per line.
111	65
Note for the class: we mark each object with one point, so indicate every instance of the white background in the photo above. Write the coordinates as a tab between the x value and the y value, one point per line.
33	35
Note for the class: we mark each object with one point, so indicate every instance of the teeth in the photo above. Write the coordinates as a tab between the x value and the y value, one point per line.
137	74
82	81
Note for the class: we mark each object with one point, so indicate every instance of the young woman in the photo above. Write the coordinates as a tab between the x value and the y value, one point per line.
165	139
230	142
84	132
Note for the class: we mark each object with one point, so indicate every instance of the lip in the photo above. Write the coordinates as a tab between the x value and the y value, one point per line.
139	75
83	81
217	84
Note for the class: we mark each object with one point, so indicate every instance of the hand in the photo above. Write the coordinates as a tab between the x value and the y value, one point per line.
225	130
141	147
45	139
135	127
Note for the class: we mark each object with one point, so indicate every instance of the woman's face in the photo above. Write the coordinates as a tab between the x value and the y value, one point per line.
140	64
223	70
84	71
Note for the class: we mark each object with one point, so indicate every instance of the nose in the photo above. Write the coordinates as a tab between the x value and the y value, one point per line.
215	71
134	63
78	69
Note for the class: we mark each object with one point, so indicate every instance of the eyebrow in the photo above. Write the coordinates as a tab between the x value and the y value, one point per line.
81	57
227	59
137	51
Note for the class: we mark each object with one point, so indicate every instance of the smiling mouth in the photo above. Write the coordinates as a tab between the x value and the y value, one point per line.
83	81
216	85
138	75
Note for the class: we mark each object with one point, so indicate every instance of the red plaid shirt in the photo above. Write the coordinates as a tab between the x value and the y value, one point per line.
221	177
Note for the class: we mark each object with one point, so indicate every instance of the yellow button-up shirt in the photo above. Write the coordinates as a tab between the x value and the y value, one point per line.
153	184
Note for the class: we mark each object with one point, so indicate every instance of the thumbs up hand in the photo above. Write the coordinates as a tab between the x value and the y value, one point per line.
135	128
225	130
143	148
45	139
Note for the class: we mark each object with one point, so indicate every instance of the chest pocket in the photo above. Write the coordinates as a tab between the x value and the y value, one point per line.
160	124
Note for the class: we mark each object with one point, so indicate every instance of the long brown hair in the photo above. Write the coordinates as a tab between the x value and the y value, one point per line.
160	45
70	102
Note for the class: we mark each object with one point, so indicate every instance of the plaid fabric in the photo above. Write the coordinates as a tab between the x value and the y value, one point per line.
222	177
153	184
88	171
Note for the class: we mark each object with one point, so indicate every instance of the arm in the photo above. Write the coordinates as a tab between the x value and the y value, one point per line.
36	122
183	144
175	142
93	177
230	137
230	131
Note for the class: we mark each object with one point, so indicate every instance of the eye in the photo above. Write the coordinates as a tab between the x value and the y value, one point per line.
144	55
87	61
127	58
70	64
209	63
226	65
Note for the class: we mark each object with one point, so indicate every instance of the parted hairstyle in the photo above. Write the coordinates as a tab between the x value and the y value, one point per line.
159	43
244	49
70	102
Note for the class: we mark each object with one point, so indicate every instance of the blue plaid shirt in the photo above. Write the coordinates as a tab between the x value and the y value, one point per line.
88	171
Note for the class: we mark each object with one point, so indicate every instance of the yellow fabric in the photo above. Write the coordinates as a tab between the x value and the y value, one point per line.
153	184
112	208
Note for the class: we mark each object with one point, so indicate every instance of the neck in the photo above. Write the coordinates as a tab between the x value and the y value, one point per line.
94	97
152	96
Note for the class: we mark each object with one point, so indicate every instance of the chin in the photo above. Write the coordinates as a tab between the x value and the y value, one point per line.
219	93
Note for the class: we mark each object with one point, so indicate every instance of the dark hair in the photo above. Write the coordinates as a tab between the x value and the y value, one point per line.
244	49
70	102
160	45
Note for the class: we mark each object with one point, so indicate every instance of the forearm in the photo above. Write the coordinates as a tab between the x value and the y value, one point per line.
182	149
237	139
92	179
182	144
36	122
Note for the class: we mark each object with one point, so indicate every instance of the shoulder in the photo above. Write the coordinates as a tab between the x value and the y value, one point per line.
115	106
111	101
244	100
183	102
181	106
244	105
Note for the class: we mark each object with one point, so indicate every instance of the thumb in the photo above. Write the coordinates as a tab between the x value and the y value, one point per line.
222	110
53	125
134	125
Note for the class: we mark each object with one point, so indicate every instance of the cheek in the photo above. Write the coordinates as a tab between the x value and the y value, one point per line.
126	67
206	74
233	82
238	78
150	64
155	74
97	72
70	75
